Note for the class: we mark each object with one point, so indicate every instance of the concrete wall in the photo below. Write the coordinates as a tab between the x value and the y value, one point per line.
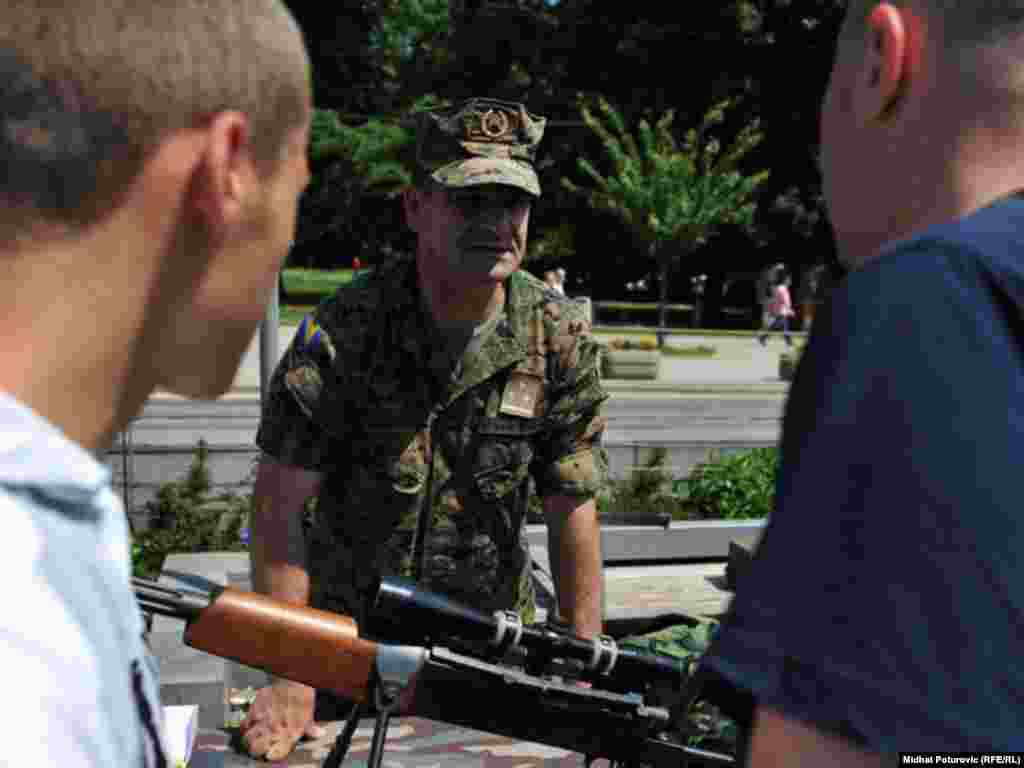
232	468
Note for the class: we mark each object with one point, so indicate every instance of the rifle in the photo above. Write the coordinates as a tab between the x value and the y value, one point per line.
447	662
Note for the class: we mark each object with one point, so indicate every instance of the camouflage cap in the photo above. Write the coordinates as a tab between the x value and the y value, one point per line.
480	141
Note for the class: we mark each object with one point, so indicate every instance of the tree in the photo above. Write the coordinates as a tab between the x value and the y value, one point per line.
673	196
354	164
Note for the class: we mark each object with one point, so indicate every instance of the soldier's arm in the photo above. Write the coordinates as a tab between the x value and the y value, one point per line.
574	468
574	546
277	550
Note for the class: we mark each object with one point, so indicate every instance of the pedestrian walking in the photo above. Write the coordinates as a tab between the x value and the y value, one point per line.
779	310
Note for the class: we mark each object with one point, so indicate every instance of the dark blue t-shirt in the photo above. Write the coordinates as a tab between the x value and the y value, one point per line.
885	602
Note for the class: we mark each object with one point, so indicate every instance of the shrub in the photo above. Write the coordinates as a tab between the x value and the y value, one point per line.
645	492
788	361
737	486
186	517
644	342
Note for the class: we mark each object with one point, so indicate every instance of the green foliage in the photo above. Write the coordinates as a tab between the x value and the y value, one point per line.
186	517
376	150
405	24
556	245
665	191
643	493
737	486
643	343
381	151
322	281
669	192
789	360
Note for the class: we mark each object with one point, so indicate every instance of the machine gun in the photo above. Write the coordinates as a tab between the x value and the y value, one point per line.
444	661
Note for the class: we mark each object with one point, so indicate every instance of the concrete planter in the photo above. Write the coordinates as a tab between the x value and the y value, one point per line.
632	363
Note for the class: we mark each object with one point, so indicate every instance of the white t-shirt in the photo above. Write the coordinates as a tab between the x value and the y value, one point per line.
80	686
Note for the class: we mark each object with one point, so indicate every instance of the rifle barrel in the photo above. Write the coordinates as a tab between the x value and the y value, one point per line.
428	616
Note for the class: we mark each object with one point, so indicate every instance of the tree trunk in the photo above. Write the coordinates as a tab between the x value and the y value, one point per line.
663	298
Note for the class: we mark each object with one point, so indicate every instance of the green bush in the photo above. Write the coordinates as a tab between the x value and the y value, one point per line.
186	517
789	360
647	343
645	492
737	486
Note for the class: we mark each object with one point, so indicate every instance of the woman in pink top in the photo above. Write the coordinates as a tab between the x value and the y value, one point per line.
780	310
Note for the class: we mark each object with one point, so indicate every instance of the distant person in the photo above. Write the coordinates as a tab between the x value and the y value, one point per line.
153	155
779	310
560	280
882	611
551	280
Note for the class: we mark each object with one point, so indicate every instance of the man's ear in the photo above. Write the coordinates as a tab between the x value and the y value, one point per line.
885	67
227	175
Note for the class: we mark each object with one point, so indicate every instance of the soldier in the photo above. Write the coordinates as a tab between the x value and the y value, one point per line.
416	403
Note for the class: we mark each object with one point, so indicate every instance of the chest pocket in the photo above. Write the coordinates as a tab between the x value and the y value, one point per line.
385	480
503	454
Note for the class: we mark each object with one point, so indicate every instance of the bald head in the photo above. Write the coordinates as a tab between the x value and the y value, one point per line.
91	88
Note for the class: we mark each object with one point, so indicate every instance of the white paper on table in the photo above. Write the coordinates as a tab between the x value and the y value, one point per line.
181	724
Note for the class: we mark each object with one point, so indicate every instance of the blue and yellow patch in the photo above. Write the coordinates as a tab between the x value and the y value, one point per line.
312	341
309	335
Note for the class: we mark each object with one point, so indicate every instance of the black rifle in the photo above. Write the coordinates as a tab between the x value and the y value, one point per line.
444	661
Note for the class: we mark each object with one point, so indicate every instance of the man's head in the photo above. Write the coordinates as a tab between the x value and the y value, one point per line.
923	119
184	121
475	184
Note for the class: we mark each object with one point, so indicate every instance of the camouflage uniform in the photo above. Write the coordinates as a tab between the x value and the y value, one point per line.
365	396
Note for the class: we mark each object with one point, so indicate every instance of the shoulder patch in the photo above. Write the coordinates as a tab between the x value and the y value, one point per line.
311	339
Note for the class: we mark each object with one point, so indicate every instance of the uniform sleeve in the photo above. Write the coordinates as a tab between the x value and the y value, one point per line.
884	603
571	459
303	415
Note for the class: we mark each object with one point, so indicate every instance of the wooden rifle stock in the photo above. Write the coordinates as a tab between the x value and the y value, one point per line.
307	645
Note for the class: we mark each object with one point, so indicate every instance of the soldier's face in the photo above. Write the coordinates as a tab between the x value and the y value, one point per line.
472	234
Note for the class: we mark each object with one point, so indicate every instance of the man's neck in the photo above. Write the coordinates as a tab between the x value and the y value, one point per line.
452	305
72	325
954	199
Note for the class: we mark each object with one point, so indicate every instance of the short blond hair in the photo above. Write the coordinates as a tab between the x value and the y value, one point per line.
92	87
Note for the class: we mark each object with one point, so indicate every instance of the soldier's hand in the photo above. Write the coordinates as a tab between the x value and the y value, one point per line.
280	715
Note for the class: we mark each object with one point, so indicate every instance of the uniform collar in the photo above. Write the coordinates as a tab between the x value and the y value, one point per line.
504	347
34	452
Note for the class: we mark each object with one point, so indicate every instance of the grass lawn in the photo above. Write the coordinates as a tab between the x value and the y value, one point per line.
324	281
293	315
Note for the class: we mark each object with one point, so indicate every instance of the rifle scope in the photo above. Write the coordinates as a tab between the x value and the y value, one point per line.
429	615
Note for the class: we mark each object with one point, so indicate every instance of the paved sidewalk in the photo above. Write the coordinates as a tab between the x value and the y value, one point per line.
740	365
